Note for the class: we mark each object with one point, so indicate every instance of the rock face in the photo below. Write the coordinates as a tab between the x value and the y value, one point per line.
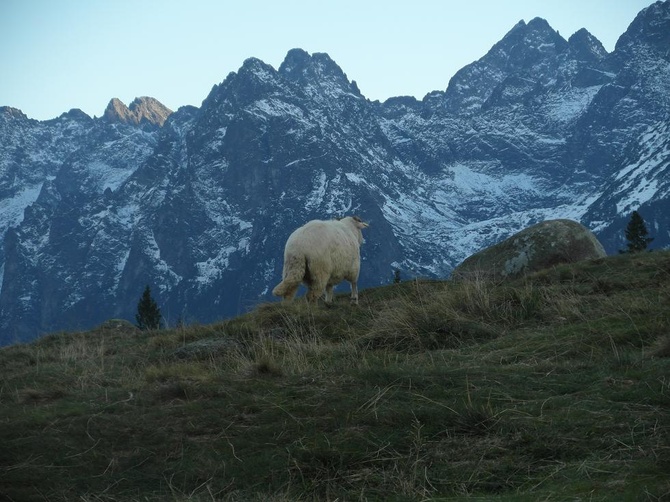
538	247
94	209
142	111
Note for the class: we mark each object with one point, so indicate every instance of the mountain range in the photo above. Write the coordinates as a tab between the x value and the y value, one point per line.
198	203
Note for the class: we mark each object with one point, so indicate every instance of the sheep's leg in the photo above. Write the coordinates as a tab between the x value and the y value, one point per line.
354	292
313	295
316	288
329	293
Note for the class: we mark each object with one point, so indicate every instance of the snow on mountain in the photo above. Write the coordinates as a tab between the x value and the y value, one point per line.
642	181
11	208
198	203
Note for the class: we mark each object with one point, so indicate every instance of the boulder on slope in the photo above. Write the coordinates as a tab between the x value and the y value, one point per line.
537	247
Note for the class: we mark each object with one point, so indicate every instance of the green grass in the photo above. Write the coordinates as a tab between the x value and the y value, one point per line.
553	387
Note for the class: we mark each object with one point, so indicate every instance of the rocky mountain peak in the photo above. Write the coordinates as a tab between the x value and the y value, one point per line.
256	67
586	47
301	67
296	60
150	109
117	111
529	53
143	110
540	25
77	115
537	29
253	80
12	113
650	28
526	43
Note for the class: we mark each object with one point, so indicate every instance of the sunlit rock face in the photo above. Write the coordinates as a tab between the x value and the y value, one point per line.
142	111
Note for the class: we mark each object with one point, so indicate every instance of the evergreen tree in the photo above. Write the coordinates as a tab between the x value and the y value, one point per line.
396	276
148	313
636	234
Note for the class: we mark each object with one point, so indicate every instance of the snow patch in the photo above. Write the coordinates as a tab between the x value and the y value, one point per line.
104	176
170	278
566	107
317	194
12	208
637	196
468	181
643	180
273	107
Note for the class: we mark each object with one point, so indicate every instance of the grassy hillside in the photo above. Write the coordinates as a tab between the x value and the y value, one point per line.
550	388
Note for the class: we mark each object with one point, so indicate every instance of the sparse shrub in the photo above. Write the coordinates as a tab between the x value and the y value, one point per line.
561	305
475	297
431	324
496	303
300	319
476	420
181	371
208	348
407	334
266	367
517	304
31	395
171	390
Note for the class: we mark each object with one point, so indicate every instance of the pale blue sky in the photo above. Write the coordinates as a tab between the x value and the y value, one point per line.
61	54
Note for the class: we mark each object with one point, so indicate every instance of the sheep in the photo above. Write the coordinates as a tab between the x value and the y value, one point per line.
321	254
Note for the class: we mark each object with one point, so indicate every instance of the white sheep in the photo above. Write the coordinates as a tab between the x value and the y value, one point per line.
322	254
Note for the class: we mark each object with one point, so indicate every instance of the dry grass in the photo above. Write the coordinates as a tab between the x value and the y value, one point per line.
547	388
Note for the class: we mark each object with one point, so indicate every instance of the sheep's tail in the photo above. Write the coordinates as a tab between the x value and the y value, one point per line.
294	272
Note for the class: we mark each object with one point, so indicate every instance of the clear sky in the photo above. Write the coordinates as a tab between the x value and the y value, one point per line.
56	55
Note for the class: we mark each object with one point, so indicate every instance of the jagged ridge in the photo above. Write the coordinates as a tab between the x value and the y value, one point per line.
142	110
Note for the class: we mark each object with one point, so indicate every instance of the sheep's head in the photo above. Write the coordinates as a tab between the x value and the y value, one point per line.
358	224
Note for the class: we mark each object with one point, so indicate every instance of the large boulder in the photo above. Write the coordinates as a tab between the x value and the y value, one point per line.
538	247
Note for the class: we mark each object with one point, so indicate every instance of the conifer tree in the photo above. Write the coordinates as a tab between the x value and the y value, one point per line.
148	315
636	234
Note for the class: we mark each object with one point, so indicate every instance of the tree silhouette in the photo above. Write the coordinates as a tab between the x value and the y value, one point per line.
636	234
148	315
